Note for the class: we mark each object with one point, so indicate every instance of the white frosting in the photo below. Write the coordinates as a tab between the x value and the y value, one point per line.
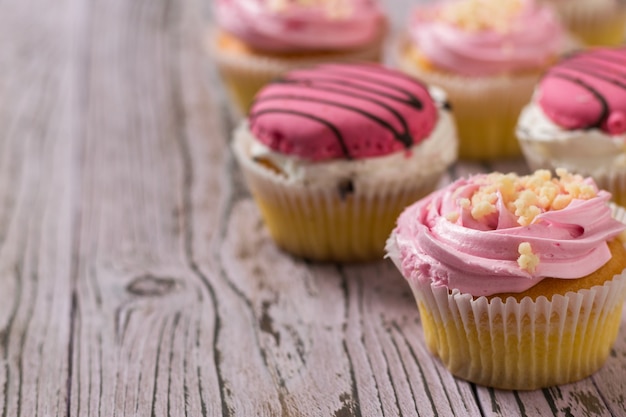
422	160
547	145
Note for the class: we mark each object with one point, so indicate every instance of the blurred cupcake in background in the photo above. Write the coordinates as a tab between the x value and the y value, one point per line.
487	55
258	40
577	119
594	22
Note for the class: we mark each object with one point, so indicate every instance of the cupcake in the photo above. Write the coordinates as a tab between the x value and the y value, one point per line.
487	55
594	22
518	279
577	119
332	155
258	40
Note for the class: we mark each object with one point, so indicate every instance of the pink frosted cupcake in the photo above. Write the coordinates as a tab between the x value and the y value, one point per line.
259	40
577	119
332	154
519	280
487	55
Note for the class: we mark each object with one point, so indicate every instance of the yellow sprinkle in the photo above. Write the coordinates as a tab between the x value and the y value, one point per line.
452	217
561	201
527	259
482	209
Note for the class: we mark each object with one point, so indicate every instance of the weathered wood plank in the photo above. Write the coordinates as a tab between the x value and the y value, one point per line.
39	110
146	318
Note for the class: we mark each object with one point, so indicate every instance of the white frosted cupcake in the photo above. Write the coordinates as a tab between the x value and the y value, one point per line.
332	155
519	281
577	119
487	55
256	41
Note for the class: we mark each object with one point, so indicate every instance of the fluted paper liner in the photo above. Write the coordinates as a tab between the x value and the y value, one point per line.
527	344
318	224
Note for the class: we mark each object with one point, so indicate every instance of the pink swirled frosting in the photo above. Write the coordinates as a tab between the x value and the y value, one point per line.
486	37
293	25
482	257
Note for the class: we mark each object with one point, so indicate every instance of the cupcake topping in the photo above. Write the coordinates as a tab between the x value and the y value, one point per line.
283	26
500	233
526	197
587	90
527	259
345	111
334	9
476	15
486	37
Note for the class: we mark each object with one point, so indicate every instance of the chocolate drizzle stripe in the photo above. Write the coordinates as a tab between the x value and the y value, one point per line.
596	73
329	125
402	137
410	100
596	93
407	141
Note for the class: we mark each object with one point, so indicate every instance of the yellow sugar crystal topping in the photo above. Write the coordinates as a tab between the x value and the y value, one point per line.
452	217
527	259
334	9
527	196
476	15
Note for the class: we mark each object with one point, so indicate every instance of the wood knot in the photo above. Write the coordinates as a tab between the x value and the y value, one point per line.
150	285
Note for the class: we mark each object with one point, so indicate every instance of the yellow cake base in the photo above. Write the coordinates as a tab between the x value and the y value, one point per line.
557	332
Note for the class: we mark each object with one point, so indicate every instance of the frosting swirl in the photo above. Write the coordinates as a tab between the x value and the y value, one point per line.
483	37
491	234
299	25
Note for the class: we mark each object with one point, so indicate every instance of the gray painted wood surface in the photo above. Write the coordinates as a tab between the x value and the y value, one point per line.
136	277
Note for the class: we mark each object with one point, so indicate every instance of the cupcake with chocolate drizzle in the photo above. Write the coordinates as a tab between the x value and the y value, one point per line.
333	153
577	119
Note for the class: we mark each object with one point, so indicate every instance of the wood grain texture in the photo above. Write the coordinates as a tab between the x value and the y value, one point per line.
136	276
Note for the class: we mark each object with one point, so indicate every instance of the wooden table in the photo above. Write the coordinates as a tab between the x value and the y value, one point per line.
136	277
